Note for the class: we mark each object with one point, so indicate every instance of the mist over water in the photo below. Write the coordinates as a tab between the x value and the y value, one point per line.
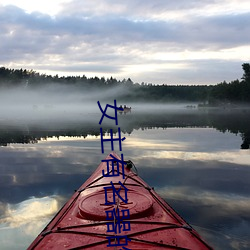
191	156
44	103
61	102
59	109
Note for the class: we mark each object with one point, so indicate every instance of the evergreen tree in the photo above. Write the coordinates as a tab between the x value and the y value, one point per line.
246	69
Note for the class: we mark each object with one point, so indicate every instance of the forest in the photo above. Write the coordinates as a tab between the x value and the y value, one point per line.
224	93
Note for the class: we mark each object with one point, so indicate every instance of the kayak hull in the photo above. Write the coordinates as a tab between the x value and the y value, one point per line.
83	221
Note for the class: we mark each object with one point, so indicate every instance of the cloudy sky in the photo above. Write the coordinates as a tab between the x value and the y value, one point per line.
157	41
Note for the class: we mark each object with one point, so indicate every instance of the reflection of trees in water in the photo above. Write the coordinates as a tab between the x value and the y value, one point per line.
236	123
8	137
246	141
222	120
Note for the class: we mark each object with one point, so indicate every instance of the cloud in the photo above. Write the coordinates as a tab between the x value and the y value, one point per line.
94	38
147	9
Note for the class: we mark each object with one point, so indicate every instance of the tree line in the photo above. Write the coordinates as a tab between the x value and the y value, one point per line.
235	122
236	91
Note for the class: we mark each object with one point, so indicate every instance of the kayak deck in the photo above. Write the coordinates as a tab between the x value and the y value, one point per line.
83	221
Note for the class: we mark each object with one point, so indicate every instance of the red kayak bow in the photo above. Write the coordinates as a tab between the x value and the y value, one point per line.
117	210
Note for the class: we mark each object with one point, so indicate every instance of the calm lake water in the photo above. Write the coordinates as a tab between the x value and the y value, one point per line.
197	160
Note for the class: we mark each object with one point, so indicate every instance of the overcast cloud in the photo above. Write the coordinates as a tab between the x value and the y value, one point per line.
160	41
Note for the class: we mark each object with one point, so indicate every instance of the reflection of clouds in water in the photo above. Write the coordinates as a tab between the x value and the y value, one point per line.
236	157
22	222
228	203
148	144
209	186
226	216
2	209
36	170
203	144
52	157
28	212
184	139
228	239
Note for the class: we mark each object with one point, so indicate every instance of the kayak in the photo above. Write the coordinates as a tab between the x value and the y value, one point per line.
116	209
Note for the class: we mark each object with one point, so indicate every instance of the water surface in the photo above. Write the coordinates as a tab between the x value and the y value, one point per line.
193	158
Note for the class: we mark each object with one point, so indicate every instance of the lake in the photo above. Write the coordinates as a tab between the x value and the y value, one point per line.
198	160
